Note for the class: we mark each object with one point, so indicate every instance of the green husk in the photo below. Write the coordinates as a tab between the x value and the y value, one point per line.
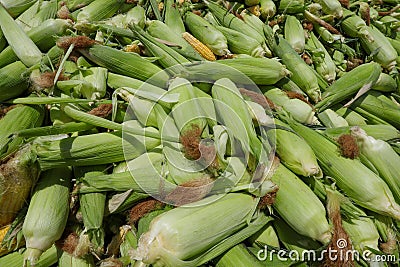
239	255
379	131
298	109
352	117
206	33
360	78
47	213
43	36
261	71
165	244
292	240
161	31
67	260
23	46
229	20
172	17
302	74
299	206
291	7
240	43
16	7
128	64
322	61
331	119
382	156
19	118
99	10
294	34
372	104
267	8
48	258
166	56
92	149
359	183
302	160
385	83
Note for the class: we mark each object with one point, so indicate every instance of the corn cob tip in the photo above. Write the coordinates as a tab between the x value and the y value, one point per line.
31	256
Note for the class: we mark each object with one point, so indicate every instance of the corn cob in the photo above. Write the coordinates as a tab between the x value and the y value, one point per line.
240	43
207	34
252	20
162	31
93	149
239	255
98	10
47	213
127	64
143	110
231	21
267	9
360	184
14	8
298	109
261	71
301	161
382	156
387	232
225	94
188	99
42	36
17	176
372	40
23	46
137	16
302	210
167	57
291	7
331	7
372	104
165	244
324	64
362	232
376	44
302	74
201	48
294	34
367	75
92	207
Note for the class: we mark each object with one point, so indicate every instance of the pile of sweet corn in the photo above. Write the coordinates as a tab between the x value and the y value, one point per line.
199	133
